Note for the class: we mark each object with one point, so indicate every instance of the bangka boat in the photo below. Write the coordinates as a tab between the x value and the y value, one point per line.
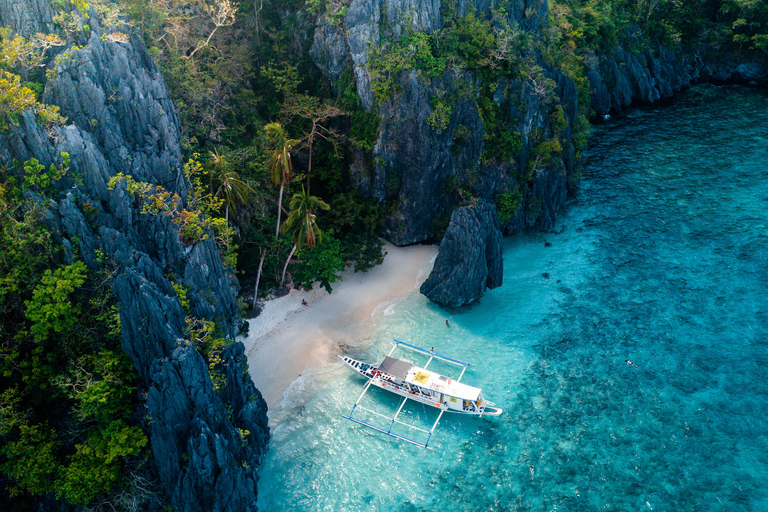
420	385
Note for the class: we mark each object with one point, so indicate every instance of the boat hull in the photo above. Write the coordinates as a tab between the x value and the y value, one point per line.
431	398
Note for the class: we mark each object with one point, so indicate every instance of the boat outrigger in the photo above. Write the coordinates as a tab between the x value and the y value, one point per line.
424	386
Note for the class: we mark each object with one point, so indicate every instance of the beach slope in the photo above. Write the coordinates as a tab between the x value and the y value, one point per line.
289	338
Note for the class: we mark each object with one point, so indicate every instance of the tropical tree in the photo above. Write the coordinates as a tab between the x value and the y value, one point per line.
320	114
281	170
279	163
301	224
226	184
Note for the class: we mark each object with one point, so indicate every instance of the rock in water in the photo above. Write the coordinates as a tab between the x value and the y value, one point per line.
470	257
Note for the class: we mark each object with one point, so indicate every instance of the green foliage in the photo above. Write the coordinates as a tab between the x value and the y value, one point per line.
31	460
204	59
751	24
364	126
66	387
301	224
50	309
355	221
39	179
95	467
284	77
581	131
28	247
469	38
508	204
102	385
543	155
503	141
14	99
387	62
424	55
440	117
322	264
181	292
20	58
203	334
605	24
364	129
557	119
200	218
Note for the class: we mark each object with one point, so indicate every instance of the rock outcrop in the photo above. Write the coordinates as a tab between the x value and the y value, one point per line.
415	161
207	435
622	77
27	16
470	257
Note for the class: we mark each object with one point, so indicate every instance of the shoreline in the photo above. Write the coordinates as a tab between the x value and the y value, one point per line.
289	339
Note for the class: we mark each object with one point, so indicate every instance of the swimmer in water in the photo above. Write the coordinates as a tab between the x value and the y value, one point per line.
630	363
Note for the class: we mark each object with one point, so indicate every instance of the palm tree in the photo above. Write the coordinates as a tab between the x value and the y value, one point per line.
279	163
226	183
301	224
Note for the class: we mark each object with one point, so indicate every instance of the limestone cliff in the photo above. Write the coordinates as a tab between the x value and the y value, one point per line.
120	119
416	162
620	77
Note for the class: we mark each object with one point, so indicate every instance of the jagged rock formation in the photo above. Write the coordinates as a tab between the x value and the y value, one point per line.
413	161
27	16
622	77
470	257
121	120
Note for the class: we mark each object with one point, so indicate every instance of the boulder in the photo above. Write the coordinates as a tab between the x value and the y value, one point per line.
470	257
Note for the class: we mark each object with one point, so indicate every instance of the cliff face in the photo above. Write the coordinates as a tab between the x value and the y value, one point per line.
26	16
120	119
415	162
621	77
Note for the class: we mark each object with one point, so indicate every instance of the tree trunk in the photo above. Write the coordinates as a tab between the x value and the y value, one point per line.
282	279
279	209
258	277
309	165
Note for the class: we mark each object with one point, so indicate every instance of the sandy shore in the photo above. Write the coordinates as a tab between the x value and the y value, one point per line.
288	339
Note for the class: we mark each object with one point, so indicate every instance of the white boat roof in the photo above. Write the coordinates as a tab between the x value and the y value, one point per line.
412	374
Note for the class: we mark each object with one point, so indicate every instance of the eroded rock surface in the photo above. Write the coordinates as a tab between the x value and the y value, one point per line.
416	161
120	119
470	258
622	77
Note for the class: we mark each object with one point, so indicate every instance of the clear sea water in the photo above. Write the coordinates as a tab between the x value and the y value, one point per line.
660	260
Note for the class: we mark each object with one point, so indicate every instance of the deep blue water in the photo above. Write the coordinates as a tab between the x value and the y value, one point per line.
661	260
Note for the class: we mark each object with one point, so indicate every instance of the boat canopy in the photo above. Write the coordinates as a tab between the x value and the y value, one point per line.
424	378
395	367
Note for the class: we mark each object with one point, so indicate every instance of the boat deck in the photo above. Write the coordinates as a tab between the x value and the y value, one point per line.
412	374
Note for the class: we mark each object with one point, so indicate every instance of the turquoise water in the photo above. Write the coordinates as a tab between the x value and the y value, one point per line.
661	259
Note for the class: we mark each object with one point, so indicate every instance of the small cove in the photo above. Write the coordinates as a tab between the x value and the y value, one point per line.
660	259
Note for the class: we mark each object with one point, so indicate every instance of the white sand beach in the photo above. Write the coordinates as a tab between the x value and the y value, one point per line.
288	338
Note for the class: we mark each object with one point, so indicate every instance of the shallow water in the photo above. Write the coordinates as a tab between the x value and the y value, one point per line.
661	260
